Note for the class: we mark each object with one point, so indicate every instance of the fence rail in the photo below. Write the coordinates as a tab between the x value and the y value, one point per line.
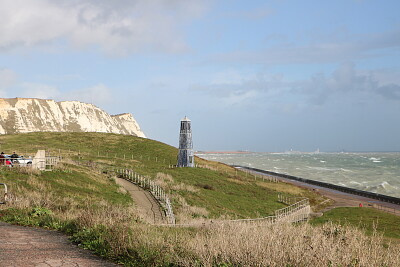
149	185
386	209
298	211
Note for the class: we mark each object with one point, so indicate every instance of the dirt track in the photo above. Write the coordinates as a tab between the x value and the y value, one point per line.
26	246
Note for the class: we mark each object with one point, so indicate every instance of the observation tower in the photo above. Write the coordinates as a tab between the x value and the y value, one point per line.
186	155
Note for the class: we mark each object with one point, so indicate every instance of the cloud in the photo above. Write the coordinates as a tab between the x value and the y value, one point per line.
332	50
99	95
37	90
115	27
345	84
10	86
234	89
391	91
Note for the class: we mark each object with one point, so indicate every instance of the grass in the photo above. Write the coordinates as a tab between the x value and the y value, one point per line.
98	215
230	193
365	218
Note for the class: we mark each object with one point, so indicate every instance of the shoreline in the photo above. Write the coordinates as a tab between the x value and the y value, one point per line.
340	198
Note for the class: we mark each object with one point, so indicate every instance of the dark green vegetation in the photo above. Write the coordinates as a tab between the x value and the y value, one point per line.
366	218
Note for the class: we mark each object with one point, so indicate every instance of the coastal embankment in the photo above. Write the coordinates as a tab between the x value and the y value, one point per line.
343	196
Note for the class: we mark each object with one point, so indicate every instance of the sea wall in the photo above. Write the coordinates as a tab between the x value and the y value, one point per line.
348	190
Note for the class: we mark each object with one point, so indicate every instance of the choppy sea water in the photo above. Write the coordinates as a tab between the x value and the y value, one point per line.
373	172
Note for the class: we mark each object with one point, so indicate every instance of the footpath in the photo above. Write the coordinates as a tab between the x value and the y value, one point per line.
147	206
26	246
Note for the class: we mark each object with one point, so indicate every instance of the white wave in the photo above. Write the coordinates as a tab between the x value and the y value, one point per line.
345	170
322	161
385	184
373	159
322	168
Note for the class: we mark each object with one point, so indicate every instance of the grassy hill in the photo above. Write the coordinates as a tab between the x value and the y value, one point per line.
81	198
217	189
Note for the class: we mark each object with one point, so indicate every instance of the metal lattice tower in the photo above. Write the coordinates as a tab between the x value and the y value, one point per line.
185	156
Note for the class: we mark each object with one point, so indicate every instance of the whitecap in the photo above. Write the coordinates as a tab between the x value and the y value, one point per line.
345	170
322	161
374	159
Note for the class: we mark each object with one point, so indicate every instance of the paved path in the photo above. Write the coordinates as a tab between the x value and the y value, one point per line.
145	202
25	246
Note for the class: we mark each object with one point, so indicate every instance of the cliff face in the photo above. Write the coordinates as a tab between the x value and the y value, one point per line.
23	115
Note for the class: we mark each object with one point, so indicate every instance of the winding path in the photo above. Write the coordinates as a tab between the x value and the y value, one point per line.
145	202
26	246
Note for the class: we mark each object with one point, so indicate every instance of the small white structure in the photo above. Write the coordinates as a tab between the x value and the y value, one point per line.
186	155
39	161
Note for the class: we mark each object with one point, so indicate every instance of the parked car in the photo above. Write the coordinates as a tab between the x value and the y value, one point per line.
22	161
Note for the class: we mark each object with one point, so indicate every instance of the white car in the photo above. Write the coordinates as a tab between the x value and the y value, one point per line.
22	161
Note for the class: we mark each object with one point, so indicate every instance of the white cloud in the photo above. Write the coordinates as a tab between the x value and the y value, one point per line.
36	90
10	86
116	27
98	95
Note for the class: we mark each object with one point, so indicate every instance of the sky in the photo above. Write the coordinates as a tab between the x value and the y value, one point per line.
264	76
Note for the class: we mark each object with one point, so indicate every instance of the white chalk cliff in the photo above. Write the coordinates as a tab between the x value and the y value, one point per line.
23	115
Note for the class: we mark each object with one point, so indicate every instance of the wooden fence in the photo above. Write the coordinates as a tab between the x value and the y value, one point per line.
149	185
387	209
298	211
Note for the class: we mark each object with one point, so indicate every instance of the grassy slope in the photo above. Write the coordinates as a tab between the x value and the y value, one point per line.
76	184
366	218
219	188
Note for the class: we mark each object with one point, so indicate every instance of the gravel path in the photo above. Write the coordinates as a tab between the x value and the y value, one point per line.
26	246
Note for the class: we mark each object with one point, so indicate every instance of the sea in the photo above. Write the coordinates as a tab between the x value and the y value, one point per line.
373	172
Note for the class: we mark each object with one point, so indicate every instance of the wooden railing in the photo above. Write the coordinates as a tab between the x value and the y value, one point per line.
298	211
149	185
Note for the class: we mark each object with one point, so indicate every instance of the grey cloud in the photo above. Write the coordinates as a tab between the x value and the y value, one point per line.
346	82
391	91
343	82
